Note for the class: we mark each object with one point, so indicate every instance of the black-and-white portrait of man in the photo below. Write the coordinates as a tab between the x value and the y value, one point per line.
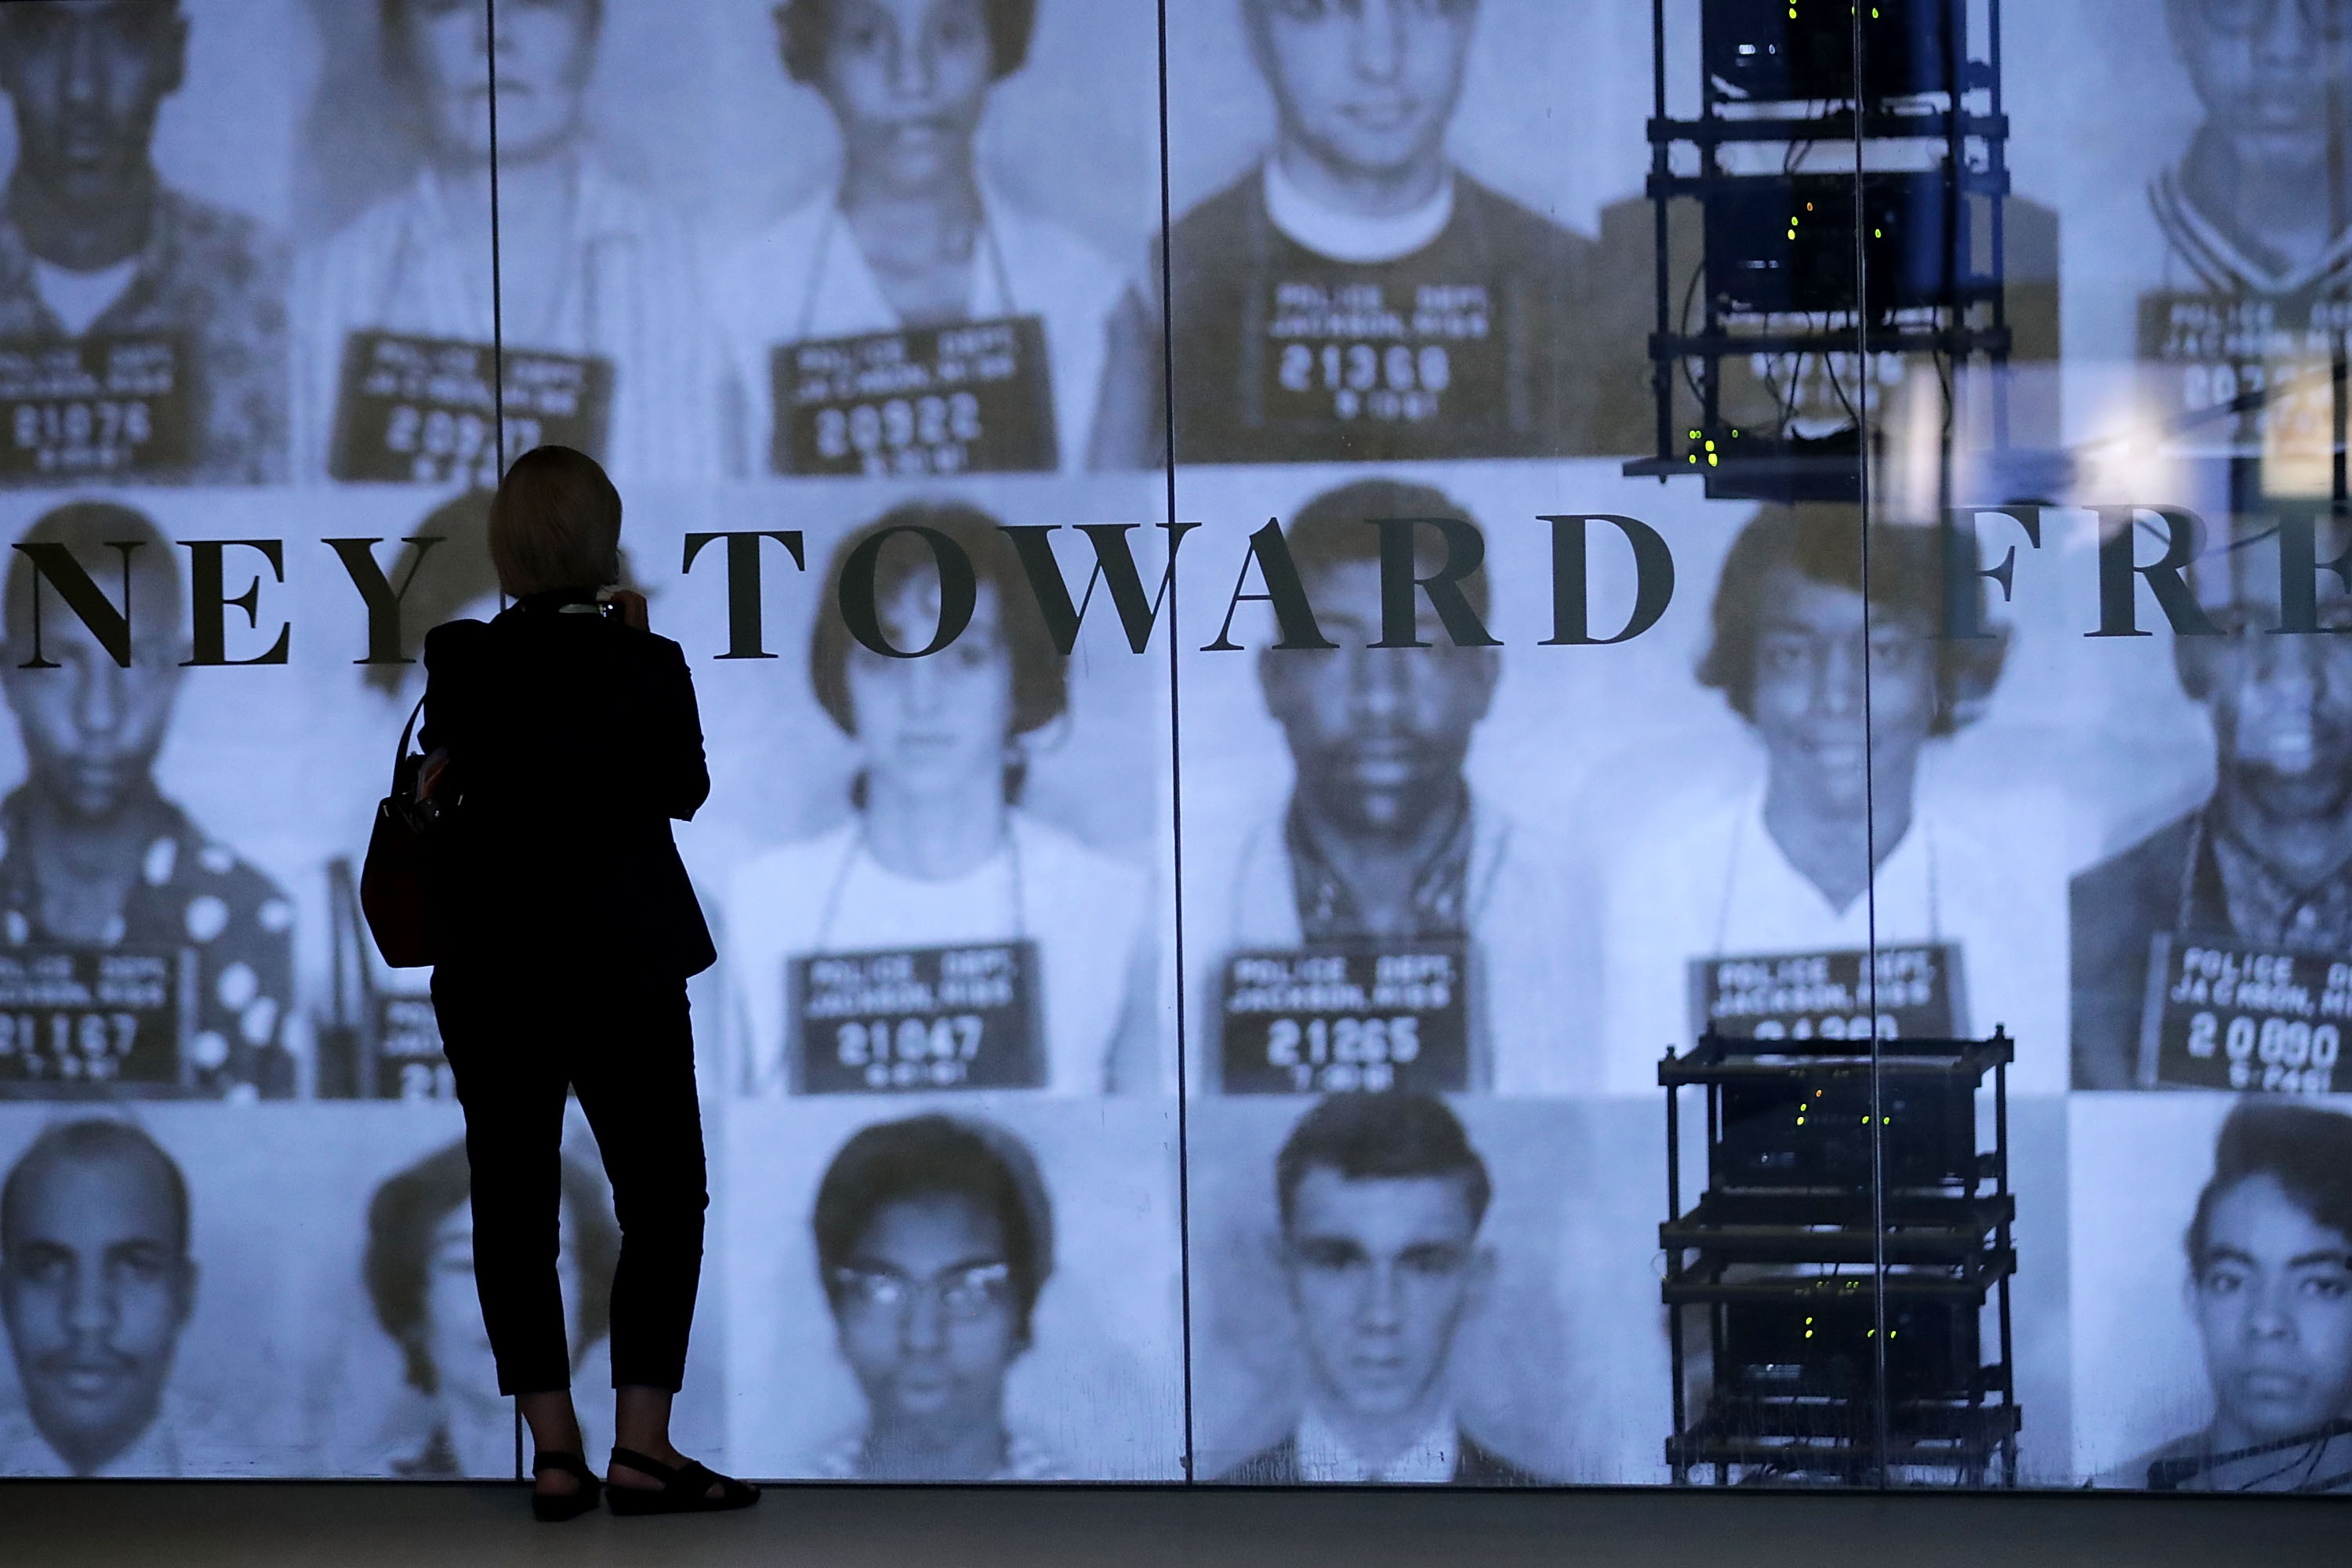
1381	1198
96	1285
1357	295
179	306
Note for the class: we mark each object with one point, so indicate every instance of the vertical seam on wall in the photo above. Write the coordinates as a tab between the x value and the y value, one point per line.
498	317
1878	1402
497	380
1175	756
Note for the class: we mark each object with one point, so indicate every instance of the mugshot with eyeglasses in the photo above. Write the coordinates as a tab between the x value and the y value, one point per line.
934	1237
174	308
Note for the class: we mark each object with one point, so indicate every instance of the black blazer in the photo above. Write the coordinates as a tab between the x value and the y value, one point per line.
573	740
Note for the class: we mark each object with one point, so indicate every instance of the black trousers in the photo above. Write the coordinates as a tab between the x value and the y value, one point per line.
515	1046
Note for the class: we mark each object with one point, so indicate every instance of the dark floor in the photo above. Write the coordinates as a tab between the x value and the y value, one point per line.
357	1525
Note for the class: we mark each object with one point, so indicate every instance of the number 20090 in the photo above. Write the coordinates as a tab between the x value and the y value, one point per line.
2278	1054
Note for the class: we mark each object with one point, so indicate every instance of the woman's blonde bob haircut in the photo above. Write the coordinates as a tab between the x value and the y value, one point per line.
555	525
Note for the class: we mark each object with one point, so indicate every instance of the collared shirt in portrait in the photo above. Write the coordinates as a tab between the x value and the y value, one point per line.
2267	905
1439	900
626	288
1706	880
2193	875
2315	1462
1025	1459
215	279
192	891
1324	1457
1086	912
2217	262
154	1455
1530	1032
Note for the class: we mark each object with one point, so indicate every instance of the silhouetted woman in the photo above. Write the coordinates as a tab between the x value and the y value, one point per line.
568	929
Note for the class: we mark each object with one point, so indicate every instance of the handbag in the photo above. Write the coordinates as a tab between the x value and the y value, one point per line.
391	883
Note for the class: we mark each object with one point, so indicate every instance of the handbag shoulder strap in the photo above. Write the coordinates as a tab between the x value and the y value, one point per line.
407	730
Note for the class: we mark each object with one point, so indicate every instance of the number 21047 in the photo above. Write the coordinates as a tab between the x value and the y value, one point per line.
912	1053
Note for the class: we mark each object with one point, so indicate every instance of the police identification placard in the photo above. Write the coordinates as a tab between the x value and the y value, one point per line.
1326	1020
408	1060
106	1019
2227	1014
1361	349
415	410
2247	373
105	405
976	397
916	1018
1908	992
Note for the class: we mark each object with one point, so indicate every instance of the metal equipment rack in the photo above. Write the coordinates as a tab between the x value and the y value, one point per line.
1961	317
1815	1247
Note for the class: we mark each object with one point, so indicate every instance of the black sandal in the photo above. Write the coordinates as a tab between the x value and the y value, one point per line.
554	1507
685	1489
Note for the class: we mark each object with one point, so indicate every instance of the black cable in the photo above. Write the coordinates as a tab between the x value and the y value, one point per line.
1175	753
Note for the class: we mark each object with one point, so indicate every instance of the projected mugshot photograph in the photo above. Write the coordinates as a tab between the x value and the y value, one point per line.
915	264
451	1420
100	864
2256	204
598	301
2268	1287
1381	1198
1813	859
944	937
96	1285
934	1236
1381	845
2263	865
1357	295
143	332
